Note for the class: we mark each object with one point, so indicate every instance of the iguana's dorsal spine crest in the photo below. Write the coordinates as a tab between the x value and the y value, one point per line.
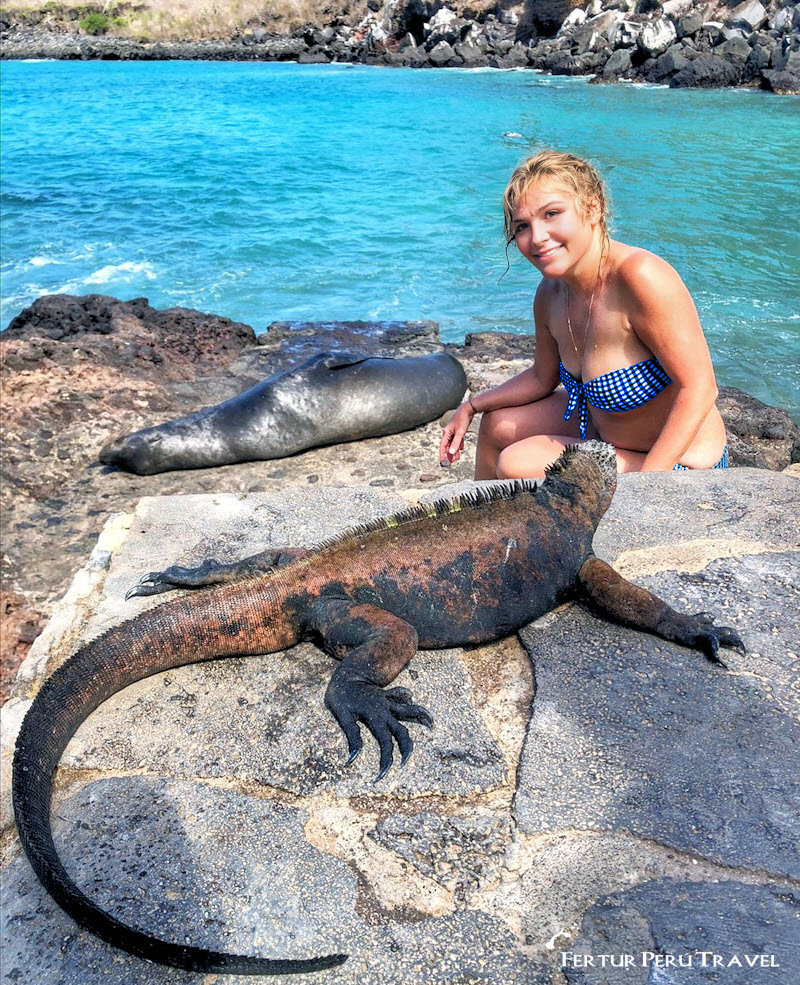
601	452
471	499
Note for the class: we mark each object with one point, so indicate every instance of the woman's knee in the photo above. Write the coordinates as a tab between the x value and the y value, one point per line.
497	429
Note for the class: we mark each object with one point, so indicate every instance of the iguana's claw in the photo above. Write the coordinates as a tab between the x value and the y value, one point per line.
699	632
149	584
711	637
708	644
353	701
403	707
176	576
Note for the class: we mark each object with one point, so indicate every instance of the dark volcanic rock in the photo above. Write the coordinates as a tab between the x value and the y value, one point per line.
757	61
669	63
706	72
137	335
313	57
471	55
783	83
689	24
442	54
619	63
548	15
562	63
303	339
696	922
758	435
736	51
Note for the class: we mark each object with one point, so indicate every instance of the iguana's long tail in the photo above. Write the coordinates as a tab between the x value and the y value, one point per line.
184	630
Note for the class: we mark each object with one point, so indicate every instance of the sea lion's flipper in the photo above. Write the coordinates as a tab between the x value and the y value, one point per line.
338	360
211	572
617	599
373	646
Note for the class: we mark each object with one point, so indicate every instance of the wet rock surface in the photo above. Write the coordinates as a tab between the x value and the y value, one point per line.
676	43
78	371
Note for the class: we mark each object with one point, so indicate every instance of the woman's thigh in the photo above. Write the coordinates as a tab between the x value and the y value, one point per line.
528	458
509	425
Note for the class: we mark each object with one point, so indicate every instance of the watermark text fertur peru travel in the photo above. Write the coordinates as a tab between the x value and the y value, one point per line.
697	959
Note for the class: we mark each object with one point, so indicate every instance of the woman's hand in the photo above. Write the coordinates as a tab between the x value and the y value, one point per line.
452	443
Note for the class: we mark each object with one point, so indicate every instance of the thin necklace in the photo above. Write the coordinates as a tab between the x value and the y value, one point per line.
589	316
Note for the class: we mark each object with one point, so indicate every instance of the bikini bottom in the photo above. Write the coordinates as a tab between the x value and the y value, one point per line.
721	464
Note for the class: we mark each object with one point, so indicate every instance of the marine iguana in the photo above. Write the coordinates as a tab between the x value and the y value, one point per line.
448	574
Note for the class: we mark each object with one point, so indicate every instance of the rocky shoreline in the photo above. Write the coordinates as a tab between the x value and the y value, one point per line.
76	371
678	43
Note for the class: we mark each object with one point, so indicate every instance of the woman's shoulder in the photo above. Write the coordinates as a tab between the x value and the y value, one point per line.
641	273
543	299
632	263
548	293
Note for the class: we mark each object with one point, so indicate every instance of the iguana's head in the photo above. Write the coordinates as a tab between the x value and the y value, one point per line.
590	469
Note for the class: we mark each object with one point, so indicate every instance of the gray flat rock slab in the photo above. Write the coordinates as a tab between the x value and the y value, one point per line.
223	870
667	932
262	720
631	733
738	505
210	803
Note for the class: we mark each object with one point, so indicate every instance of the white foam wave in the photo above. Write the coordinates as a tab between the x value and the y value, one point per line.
119	271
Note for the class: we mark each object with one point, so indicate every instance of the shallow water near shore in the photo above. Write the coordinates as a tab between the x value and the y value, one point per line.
265	192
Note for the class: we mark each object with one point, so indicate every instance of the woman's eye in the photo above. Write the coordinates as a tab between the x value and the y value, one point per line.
520	228
552	214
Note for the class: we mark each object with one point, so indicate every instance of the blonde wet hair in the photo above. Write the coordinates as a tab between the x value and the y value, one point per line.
577	176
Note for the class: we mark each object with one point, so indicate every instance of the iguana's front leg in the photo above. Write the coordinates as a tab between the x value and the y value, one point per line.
211	572
618	599
373	646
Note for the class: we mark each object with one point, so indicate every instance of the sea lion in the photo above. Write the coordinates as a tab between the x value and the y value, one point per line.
333	397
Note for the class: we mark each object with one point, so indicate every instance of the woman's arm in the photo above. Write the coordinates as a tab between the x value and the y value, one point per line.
664	317
531	384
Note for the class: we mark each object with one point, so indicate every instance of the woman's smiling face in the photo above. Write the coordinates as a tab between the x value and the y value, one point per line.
549	228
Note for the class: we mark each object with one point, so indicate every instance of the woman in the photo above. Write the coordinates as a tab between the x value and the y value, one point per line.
612	315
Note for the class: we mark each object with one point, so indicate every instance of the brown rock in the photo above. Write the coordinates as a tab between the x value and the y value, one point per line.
22	623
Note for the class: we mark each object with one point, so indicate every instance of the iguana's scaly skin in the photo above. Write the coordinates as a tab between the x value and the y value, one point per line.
454	573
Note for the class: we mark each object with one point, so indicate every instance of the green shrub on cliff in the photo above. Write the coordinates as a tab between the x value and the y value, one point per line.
95	23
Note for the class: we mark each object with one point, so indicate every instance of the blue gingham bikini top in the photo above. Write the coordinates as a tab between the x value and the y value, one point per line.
622	389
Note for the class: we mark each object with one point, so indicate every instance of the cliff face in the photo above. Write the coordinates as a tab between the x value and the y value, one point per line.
176	20
678	42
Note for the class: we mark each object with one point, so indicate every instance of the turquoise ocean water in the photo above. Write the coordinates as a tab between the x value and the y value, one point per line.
276	191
